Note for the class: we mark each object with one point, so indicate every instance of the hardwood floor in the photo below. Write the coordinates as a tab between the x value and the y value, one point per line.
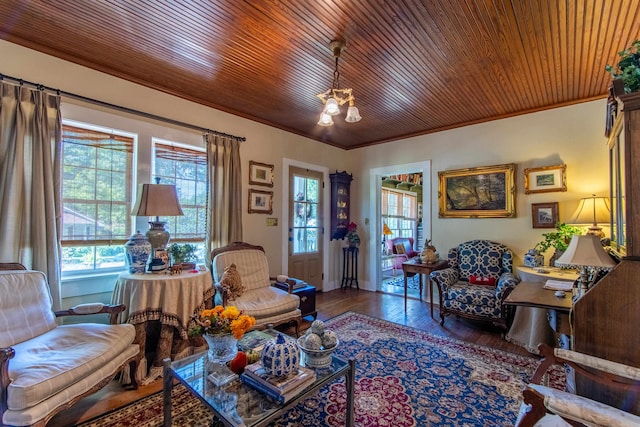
328	304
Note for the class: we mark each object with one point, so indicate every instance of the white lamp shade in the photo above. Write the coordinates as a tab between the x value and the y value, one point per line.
585	251
353	115
592	210
325	120
331	107
157	200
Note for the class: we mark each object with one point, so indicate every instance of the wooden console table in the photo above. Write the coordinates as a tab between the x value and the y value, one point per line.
411	268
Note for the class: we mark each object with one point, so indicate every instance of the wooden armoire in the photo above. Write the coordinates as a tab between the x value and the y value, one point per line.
606	320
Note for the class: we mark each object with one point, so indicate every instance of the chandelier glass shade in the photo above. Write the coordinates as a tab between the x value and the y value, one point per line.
333	98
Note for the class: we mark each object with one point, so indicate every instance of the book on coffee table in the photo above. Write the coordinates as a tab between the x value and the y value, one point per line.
280	385
254	340
274	393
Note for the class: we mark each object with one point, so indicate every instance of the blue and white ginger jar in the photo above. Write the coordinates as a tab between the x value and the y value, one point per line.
138	250
280	356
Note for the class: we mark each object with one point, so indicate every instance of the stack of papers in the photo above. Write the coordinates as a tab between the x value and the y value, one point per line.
558	285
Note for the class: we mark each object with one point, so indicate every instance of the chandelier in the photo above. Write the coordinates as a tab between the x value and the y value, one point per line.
333	98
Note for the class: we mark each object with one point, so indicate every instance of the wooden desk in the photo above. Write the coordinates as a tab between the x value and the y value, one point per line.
169	301
411	268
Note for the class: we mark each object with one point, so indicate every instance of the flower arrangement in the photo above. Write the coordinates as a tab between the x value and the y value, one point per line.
352	234
221	320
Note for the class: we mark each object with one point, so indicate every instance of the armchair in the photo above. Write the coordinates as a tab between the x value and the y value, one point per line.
401	248
544	406
267	304
477	281
44	367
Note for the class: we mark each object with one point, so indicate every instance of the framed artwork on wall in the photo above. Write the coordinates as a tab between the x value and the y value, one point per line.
544	215
481	192
260	201
260	174
545	179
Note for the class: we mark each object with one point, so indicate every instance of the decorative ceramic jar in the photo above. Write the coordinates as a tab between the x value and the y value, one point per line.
138	250
280	356
222	349
533	259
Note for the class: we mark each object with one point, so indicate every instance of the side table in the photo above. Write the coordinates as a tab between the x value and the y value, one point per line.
307	295
349	267
420	268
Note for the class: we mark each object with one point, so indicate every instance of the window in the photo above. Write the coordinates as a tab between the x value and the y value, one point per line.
400	212
97	167
186	168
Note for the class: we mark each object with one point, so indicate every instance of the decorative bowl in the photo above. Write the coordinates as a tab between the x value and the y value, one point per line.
316	358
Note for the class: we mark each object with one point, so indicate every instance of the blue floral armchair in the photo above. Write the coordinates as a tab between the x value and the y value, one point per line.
477	281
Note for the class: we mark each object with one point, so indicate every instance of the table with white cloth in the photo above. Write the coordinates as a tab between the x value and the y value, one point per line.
530	325
161	306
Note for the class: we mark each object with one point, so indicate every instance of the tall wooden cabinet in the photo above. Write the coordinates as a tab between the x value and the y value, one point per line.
340	203
606	320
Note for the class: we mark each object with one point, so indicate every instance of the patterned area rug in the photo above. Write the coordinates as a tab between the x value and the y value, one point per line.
405	377
412	282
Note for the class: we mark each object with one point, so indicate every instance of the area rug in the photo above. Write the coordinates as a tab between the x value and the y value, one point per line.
413	282
405	377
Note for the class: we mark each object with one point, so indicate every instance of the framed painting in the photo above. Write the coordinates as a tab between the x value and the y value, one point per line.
544	215
260	174
260	201
545	179
481	192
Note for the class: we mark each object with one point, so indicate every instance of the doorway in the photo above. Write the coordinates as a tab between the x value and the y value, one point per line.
306	225
376	175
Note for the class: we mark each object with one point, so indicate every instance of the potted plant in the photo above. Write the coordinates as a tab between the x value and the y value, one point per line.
183	254
559	240
628	68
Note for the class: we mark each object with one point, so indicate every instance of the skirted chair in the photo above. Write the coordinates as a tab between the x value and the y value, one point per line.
241	276
477	281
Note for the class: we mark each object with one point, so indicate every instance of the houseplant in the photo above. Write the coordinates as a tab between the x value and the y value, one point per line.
183	253
559	240
628	68
352	235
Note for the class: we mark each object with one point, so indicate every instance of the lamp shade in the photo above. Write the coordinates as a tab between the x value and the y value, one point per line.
325	120
353	115
585	251
157	200
331	107
592	210
386	230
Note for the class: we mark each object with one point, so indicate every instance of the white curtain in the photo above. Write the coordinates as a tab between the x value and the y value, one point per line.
30	181
224	201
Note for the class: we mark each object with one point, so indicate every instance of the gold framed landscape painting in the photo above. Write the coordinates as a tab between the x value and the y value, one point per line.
545	179
480	192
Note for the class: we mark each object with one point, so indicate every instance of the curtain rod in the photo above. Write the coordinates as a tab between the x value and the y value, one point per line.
118	107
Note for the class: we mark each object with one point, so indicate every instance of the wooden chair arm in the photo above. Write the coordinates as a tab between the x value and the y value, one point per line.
86	309
5	355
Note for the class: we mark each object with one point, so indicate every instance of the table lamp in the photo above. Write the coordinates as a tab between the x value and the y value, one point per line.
157	200
585	253
592	210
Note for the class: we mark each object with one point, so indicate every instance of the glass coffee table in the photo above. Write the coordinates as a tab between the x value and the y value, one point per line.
237	404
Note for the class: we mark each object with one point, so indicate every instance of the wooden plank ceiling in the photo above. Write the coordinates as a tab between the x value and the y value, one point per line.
415	66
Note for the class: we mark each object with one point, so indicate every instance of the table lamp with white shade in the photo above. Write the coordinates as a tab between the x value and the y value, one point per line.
592	210
586	254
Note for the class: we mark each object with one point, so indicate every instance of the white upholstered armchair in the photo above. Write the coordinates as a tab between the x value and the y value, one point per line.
266	303
544	406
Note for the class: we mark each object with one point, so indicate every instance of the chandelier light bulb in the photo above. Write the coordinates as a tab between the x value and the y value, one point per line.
353	115
331	107
325	120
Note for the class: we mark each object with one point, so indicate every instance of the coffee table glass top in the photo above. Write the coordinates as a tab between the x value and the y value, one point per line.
236	403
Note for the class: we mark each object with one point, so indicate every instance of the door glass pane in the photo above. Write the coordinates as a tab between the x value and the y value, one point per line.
305	223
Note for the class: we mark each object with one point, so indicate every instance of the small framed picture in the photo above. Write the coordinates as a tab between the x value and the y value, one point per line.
260	201
545	179
544	215
260	174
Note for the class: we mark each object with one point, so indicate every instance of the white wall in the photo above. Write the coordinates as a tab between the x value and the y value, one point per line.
570	135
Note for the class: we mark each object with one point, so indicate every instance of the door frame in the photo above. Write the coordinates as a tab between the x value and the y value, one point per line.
285	215
375	211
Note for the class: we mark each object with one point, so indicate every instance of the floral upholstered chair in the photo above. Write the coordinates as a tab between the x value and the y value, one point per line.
477	281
